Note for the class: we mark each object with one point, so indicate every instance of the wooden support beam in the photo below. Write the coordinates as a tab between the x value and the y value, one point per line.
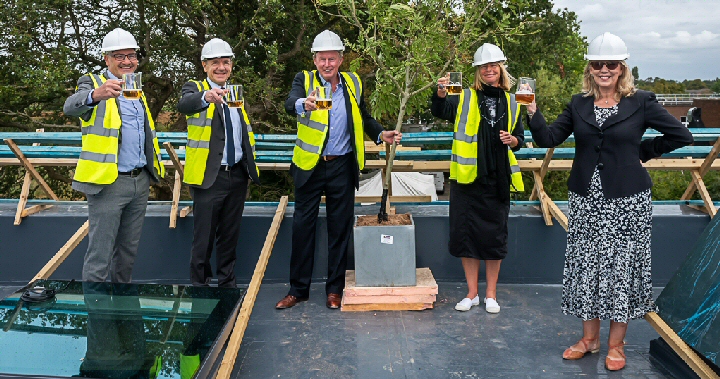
682	349
63	253
177	187
24	193
391	199
704	168
543	170
544	199
32	210
228	361
23	212
28	166
185	211
558	214
704	194
174	158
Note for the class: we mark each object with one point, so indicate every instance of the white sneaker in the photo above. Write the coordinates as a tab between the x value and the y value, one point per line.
467	303
491	305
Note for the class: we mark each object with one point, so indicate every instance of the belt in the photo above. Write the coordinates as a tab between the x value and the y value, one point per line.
224	167
135	172
328	158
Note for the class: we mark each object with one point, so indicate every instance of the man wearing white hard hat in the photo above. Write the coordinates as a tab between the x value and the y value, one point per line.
219	162
607	271
120	158
327	159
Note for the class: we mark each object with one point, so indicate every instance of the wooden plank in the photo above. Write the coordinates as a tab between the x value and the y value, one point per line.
389	299
544	198
185	211
543	170
174	158
28	166
63	253
385	307
700	184
425	285
558	214
24	192
391	199
682	349
34	209
177	187
704	168
242	320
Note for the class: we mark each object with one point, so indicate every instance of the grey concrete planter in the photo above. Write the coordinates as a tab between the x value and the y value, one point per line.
385	255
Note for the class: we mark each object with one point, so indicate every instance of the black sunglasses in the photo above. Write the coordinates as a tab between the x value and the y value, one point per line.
599	65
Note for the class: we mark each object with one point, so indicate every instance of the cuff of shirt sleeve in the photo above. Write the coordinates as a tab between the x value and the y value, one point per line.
202	98
300	106
379	139
89	102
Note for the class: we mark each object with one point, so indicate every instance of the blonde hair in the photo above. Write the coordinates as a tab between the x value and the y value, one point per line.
625	85
504	82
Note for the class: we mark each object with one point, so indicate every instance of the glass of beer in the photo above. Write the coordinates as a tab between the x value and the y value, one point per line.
454	86
234	96
323	98
132	86
525	93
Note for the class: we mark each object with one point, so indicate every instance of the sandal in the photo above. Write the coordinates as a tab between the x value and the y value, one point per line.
572	354
615	364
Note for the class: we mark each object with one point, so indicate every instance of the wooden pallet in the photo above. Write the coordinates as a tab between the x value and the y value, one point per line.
415	298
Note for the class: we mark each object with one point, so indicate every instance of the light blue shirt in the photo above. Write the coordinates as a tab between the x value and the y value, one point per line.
236	125
131	152
338	142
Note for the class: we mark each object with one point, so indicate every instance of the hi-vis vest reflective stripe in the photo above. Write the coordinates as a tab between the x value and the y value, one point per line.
198	144
98	163
313	126
463	164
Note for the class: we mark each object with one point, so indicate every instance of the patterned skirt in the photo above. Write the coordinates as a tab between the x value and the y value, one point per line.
607	261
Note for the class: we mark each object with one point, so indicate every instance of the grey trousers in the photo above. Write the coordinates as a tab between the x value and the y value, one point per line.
116	216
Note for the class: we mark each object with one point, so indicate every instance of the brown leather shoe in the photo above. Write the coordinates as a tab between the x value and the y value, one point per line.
333	301
289	301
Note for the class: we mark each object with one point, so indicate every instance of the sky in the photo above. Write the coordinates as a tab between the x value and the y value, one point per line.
669	39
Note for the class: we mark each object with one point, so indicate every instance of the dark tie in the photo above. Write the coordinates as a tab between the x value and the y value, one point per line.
229	138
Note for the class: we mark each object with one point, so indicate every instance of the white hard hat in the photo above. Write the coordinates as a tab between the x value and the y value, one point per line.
216	48
327	41
488	53
118	39
607	46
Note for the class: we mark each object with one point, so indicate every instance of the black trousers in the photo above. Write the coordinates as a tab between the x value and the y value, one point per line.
217	212
334	179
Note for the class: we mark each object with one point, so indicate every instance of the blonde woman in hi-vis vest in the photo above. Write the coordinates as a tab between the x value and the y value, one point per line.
483	170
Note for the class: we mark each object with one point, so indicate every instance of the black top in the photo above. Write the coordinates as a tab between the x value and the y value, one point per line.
617	147
370	125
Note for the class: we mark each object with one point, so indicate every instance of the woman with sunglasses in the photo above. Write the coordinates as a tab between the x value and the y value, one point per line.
483	169
607	261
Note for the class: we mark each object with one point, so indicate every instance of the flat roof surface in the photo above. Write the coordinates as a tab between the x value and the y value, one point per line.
525	340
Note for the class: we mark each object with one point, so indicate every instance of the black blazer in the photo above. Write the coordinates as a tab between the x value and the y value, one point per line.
191	103
616	148
370	125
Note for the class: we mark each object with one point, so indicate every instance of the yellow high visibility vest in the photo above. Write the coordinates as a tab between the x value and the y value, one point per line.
98	163
463	163
313	126
198	144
